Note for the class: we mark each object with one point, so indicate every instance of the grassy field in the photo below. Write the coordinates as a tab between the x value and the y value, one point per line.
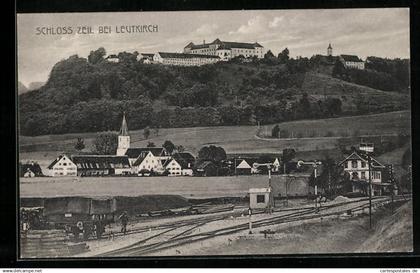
318	86
376	124
188	187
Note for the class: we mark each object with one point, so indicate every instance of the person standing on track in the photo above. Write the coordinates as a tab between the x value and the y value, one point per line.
124	221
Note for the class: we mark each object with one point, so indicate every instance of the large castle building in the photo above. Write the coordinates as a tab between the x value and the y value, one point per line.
226	50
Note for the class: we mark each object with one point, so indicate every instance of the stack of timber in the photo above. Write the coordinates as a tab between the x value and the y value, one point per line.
48	244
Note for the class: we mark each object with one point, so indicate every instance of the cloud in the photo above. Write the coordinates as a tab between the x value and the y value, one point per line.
206	29
275	22
256	24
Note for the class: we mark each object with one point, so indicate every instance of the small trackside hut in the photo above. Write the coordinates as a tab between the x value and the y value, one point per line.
259	198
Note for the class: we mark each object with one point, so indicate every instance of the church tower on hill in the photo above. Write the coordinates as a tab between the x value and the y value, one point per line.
329	50
123	138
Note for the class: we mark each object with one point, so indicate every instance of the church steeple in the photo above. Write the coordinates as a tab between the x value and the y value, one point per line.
123	138
329	50
124	127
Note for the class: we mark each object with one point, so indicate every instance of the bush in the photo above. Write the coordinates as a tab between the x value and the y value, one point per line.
284	133
299	135
329	134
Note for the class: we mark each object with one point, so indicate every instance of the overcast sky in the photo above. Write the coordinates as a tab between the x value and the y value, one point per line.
363	32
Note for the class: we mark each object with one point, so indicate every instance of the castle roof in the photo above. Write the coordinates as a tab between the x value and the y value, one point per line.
329	46
351	58
225	45
185	55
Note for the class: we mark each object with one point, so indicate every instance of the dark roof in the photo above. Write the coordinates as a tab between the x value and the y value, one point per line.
112	56
100	161
185	55
225	45
135	152
184	159
33	167
55	161
351	58
191	44
205	164
148	54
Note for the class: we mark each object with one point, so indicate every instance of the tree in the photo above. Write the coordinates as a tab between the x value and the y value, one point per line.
284	55
275	131
269	55
333	179
106	143
288	155
212	153
151	144
80	145
156	131
97	55
180	148
406	159
146	132
169	146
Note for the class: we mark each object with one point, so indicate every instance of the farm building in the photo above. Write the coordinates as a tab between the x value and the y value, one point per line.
151	159
206	168
180	164
94	165
30	169
352	61
356	165
63	166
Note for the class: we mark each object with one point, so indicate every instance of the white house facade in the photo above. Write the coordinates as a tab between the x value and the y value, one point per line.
352	61
226	50
63	166
182	59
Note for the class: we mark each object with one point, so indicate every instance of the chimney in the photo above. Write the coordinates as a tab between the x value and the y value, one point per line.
204	42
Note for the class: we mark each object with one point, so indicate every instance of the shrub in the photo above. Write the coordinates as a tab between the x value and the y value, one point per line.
284	133
299	135
329	134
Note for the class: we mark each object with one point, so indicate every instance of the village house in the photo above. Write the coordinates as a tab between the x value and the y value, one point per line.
356	165
180	164
30	169
182	59
150	159
352	61
244	166
206	168
226	50
112	58
146	58
63	166
98	165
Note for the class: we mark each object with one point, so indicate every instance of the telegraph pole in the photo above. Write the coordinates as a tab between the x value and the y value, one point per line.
368	148
370	193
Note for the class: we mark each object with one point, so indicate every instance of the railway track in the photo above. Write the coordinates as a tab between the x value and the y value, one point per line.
188	231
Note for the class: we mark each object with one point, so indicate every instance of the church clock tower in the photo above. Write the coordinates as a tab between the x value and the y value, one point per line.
123	138
329	50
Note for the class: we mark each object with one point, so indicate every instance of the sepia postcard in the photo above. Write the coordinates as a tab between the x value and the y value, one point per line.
214	133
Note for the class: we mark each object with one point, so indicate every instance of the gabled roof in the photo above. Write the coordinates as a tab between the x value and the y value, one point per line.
204	164
186	55
100	161
189	45
56	160
186	160
135	152
33	167
150	55
249	161
351	58
363	157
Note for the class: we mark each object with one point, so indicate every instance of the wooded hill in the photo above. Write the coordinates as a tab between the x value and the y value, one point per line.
90	94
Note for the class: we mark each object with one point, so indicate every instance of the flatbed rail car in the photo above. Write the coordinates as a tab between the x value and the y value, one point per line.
80	215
